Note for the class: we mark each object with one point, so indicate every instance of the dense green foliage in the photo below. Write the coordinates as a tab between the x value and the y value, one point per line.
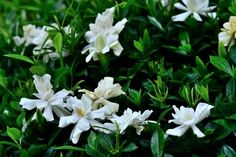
163	63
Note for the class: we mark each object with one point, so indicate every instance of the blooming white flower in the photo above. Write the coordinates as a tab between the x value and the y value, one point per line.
130	118
228	34
47	101
39	37
83	116
103	36
187	118
194	7
105	90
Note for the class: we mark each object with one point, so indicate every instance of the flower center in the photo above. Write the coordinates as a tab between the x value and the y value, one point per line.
80	112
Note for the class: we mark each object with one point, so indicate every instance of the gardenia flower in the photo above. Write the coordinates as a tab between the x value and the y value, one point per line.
83	116
129	118
39	37
227	36
187	118
105	90
103	36
47	101
194	7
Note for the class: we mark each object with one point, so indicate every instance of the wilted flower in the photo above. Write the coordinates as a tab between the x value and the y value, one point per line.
187	118
194	7
228	34
82	116
47	101
103	36
105	90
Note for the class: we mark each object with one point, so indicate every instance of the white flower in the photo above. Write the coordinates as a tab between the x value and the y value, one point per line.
32	35
194	7
228	34
187	118
130	118
103	36
105	90
82	116
47	101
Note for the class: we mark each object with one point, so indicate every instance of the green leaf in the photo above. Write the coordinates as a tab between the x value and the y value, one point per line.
228	151
221	64
3	79
20	57
156	23
35	150
57	42
135	96
157	142
232	53
203	91
24	153
146	39
8	143
151	5
131	147
201	67
184	38
139	45
221	50
14	133
38	70
69	148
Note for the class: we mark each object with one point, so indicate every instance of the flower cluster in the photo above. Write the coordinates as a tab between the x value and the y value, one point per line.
39	37
103	36
88	112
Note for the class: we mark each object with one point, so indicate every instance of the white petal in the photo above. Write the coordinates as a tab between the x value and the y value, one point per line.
41	104
87	103
109	107
66	120
18	41
197	132
202	111
139	129
48	115
28	104
181	17
62	94
224	37
84	124
178	131
106	127
120	25
60	111
181	7
117	49
75	134
90	36
197	17
89	57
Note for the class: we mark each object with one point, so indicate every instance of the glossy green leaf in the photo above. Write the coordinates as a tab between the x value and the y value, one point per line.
20	57
157	142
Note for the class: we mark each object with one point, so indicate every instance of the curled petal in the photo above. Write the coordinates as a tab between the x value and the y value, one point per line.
202	111
197	132
178	131
28	104
66	120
